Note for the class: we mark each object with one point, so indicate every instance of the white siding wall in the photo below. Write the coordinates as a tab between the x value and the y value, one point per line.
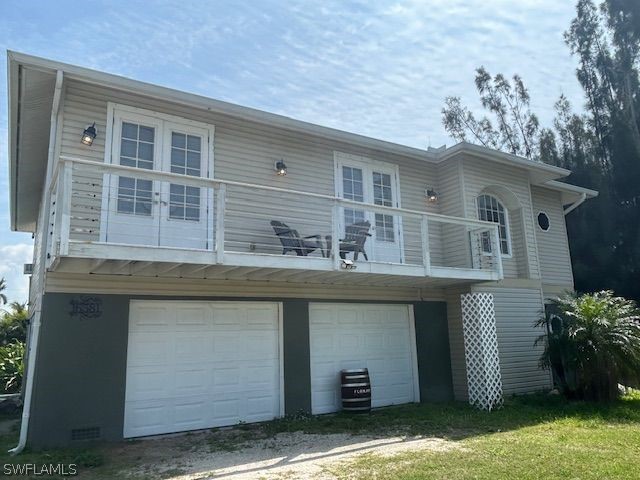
40	238
243	151
480	174
553	245
517	309
456	250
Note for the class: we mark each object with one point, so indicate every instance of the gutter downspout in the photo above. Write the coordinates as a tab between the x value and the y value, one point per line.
39	288
583	198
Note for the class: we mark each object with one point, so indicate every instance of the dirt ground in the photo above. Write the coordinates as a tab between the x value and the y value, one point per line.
285	455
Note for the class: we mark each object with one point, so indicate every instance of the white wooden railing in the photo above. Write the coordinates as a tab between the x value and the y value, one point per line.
239	214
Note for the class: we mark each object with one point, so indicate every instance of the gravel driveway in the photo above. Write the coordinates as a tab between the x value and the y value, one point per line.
285	455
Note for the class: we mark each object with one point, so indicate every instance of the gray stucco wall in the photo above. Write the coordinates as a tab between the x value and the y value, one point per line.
297	368
80	372
432	348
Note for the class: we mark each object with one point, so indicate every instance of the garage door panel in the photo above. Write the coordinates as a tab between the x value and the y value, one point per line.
149	349
191	347
151	319
349	317
191	381
228	316
260	346
193	320
147	417
378	337
374	340
226	346
145	383
211	368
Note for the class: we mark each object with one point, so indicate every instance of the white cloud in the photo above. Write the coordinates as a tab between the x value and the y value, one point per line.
12	259
377	68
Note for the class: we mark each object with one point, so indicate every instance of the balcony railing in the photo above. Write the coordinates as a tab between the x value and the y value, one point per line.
124	213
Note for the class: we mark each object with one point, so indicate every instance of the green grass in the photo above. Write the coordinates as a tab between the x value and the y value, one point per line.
531	437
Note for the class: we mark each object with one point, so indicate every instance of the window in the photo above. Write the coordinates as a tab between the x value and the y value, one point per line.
382	195
184	202
353	190
136	150
543	221
491	210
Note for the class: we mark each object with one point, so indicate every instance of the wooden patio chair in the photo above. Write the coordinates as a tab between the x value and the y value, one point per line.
354	239
292	241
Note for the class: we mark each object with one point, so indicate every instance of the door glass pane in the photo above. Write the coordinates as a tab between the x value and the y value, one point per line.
184	203
353	189
383	195
186	159
136	150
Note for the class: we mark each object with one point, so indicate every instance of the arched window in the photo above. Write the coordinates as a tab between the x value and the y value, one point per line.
491	210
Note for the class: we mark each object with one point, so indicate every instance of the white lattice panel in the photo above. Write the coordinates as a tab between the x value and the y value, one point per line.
481	350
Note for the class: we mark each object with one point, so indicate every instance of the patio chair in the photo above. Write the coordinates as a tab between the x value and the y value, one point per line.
355	236
292	241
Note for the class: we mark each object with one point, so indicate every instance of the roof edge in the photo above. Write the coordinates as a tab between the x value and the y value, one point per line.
201	102
13	84
568	187
491	154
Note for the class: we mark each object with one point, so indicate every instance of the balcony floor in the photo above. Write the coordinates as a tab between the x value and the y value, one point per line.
178	263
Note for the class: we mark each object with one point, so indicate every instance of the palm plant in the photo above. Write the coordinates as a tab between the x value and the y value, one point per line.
13	323
3	287
11	367
592	344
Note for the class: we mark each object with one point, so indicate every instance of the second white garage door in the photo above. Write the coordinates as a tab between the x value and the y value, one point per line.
378	337
194	365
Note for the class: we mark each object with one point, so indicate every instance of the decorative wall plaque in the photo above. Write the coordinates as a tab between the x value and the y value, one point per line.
86	307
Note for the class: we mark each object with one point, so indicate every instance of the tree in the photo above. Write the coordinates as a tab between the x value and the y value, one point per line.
3	287
517	128
13	324
592	344
601	146
606	41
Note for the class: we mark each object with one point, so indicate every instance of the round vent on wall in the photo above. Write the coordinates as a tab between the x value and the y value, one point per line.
543	221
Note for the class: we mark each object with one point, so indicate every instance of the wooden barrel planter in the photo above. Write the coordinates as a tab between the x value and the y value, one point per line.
356	390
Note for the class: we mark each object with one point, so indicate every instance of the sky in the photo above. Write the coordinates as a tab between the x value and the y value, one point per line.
381	69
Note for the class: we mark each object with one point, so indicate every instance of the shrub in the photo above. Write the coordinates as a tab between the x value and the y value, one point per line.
13	324
592	344
11	366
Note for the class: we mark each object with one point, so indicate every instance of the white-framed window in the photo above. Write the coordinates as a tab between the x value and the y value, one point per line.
490	209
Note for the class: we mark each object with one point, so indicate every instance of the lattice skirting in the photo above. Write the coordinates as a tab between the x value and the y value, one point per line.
481	350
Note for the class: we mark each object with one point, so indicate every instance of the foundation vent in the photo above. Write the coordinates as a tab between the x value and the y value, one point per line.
88	433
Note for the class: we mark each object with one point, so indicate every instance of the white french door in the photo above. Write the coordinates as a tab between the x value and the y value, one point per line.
145	212
375	184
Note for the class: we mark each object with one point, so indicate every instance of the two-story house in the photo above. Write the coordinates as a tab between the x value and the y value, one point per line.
200	264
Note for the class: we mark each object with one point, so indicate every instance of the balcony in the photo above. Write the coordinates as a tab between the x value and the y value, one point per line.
112	219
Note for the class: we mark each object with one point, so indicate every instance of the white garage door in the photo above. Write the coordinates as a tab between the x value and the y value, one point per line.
378	337
194	365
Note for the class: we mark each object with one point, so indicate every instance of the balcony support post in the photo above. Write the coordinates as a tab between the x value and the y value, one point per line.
335	235
221	198
63	206
426	254
495	250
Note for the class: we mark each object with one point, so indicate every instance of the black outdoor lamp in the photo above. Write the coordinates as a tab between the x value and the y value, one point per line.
89	134
432	195
281	168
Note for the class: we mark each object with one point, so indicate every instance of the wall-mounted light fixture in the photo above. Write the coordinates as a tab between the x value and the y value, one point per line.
348	264
281	168
431	195
89	134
